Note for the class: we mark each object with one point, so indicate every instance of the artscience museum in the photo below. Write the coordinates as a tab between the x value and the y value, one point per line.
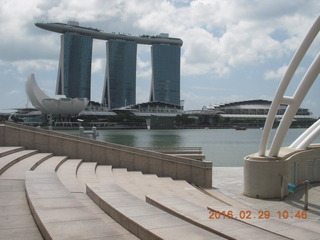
59	106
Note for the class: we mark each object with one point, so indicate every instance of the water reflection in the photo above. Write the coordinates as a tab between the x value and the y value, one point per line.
122	137
224	147
164	138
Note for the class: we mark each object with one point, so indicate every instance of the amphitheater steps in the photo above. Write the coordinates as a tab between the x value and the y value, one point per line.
9	160
104	172
74	174
199	216
60	215
9	150
67	173
141	185
289	229
142	219
16	221
51	164
18	170
87	174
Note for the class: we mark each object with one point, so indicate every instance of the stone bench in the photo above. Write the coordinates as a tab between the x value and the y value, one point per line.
142	219
58	214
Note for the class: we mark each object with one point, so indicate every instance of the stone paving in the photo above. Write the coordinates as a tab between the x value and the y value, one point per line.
183	210
229	182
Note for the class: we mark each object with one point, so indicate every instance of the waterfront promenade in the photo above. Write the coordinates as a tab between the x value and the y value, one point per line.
45	195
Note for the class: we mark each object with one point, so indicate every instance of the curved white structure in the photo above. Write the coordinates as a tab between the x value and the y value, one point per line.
60	105
294	101
267	174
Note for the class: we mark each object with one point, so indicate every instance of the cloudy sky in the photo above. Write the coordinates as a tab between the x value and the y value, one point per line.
233	49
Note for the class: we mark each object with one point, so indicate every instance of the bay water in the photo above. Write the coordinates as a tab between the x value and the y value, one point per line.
224	147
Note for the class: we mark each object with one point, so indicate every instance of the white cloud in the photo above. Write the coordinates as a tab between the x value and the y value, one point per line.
12	92
32	66
97	65
275	75
220	36
279	73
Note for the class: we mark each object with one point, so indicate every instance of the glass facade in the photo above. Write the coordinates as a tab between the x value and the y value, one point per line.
74	74
120	79
165	85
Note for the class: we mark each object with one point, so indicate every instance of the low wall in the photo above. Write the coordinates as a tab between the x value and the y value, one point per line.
119	156
266	177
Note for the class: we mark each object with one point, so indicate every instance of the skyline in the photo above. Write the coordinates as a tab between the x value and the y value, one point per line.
232	50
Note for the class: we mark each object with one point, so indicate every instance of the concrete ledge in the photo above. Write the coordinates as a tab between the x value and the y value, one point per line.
51	164
142	219
134	159
4	151
9	160
268	178
67	174
58	214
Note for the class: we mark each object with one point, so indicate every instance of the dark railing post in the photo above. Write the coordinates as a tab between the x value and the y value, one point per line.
306	193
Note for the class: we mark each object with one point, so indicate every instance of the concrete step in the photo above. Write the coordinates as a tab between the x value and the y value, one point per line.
291	228
104	173
18	170
87	174
16	221
51	164
110	222
8	160
142	219
8	150
67	174
59	215
230	228
119	171
140	185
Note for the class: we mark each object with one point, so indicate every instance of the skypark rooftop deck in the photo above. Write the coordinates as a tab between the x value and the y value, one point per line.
97	34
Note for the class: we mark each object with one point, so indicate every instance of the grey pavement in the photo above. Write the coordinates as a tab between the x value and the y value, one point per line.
228	181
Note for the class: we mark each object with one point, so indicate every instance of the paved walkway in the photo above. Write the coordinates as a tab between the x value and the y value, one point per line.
229	181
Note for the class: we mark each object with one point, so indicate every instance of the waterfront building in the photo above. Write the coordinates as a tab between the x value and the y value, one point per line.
165	83
257	108
74	73
253	113
120	79
59	106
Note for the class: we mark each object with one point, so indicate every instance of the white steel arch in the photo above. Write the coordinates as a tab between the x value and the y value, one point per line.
294	101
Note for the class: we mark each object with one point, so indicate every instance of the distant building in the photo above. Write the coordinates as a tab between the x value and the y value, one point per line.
59	106
253	113
120	80
165	83
74	74
258	108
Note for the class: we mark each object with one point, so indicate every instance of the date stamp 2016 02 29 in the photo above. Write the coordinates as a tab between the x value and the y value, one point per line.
258	214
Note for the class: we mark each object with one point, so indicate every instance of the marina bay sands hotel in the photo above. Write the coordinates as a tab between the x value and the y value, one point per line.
74	74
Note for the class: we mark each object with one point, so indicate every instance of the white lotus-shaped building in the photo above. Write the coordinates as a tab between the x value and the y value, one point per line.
59	105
